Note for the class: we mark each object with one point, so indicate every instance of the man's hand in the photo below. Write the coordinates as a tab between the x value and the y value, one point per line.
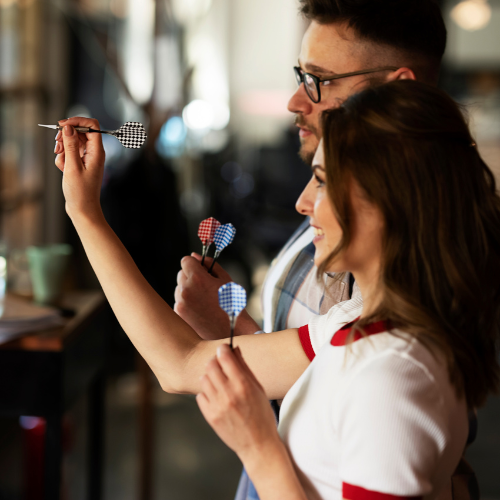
197	300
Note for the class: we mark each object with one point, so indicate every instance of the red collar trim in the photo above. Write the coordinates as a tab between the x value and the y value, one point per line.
340	337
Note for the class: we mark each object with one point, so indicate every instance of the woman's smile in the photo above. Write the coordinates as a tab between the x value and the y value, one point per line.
319	234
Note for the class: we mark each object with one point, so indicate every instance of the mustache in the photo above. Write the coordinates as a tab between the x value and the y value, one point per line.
301	122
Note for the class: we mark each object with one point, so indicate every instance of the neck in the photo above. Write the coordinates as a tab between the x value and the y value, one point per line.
370	291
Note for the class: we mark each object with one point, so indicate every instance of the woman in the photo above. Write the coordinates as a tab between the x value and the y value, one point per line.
401	198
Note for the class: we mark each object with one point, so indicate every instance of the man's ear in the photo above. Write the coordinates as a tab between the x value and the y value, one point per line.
401	74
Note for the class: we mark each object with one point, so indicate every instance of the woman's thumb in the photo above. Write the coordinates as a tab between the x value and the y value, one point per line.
71	147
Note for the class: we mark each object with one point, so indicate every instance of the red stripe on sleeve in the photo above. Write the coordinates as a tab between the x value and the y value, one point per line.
305	340
351	492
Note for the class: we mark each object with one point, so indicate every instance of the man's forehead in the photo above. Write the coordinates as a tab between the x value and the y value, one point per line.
331	48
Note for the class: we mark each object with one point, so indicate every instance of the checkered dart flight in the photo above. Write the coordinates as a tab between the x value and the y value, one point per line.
224	236
206	233
131	134
232	300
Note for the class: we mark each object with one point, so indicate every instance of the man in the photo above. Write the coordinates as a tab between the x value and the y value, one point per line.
349	45
377	40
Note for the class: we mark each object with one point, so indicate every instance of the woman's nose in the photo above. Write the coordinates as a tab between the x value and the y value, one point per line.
305	203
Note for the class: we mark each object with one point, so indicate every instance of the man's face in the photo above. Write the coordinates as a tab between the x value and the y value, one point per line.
327	50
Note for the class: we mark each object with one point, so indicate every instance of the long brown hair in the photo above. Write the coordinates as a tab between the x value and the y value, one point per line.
409	148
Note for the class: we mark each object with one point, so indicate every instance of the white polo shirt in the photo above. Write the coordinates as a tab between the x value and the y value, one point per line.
375	420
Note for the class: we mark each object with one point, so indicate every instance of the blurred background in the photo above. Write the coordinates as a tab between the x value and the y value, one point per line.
210	80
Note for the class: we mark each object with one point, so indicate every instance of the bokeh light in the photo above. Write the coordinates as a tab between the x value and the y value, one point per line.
172	138
472	15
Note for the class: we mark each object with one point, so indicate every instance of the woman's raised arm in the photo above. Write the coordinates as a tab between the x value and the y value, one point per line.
173	350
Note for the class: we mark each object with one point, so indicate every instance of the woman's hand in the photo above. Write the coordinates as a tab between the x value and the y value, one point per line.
235	405
81	159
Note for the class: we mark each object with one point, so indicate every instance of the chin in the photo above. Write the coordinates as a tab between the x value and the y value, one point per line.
307	152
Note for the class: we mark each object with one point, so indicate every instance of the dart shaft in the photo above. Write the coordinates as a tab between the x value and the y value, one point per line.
232	320
217	253
86	130
203	254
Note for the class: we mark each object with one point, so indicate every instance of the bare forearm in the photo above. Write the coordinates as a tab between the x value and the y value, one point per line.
273	474
164	340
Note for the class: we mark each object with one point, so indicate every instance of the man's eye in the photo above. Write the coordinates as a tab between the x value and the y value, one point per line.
324	83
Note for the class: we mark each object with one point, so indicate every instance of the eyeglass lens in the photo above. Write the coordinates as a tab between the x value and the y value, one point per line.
311	88
309	84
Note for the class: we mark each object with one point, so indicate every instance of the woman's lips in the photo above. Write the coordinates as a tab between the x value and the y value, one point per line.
318	234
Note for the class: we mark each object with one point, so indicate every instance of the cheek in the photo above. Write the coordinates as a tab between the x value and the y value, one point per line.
327	220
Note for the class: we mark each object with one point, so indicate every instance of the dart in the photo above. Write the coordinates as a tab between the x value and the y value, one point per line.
206	233
224	236
131	135
232	300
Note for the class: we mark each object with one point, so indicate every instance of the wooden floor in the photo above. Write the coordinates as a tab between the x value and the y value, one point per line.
190	463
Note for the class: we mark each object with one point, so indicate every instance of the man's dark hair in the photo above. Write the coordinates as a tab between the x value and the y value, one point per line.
414	27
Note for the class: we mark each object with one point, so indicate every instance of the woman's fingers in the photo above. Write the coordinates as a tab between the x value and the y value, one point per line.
73	159
233	365
216	375
60	158
245	368
207	388
91	143
59	145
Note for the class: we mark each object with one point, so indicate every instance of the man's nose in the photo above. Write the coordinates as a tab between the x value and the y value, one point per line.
305	203
300	102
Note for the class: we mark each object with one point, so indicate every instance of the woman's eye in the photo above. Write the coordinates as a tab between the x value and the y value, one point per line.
320	182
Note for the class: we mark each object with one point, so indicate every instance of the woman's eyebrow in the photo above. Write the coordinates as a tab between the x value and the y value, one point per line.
317	167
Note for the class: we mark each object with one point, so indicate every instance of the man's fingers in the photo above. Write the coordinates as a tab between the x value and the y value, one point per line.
220	273
217	271
177	298
181	278
191	265
196	256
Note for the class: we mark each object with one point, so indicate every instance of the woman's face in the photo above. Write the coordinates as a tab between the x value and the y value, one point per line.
364	251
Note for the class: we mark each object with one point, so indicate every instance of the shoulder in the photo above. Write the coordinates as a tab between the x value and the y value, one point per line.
397	379
322	328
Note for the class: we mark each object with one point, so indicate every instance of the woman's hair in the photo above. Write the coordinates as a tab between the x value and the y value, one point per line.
409	148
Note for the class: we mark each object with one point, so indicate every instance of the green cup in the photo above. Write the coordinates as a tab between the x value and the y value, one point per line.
48	265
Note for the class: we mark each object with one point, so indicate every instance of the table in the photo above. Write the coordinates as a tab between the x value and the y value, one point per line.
44	373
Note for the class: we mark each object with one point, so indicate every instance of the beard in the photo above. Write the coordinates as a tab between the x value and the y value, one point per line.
306	156
305	152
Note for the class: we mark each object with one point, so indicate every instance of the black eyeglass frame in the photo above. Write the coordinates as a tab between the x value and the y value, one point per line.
301	74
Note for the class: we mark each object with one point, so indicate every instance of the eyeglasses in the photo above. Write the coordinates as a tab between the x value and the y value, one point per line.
311	82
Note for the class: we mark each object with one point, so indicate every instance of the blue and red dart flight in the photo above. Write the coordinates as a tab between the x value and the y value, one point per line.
206	233
224	236
232	300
